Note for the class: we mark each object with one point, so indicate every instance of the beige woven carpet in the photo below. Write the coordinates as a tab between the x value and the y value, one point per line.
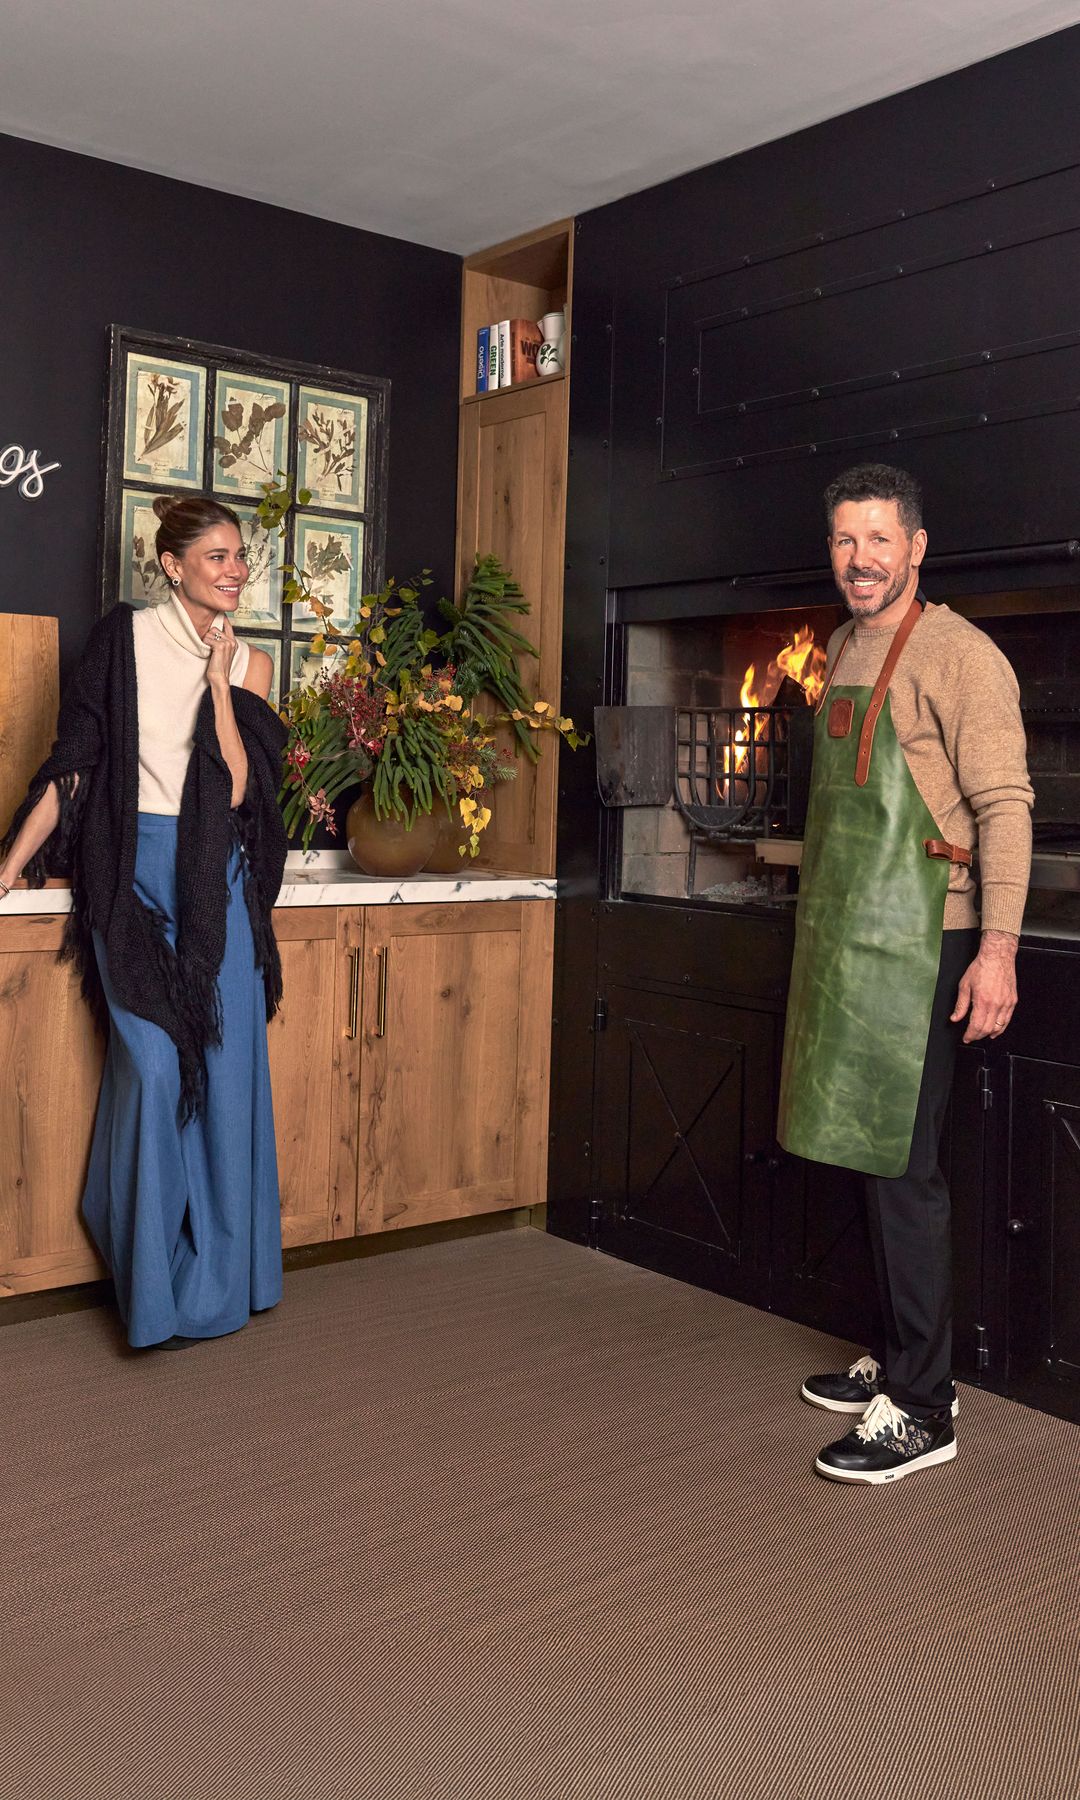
506	1520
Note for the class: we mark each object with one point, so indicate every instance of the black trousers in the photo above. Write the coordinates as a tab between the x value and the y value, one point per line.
910	1227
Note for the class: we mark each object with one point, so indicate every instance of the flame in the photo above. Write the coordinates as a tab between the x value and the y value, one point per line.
804	661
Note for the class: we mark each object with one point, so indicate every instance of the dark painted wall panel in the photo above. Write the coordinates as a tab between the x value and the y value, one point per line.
85	243
675	259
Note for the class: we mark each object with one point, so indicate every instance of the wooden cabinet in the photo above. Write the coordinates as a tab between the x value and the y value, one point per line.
315	1070
409	1065
512	500
51	1059
512	451
453	1089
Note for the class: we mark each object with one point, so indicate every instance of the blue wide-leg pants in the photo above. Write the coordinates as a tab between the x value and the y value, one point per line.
187	1219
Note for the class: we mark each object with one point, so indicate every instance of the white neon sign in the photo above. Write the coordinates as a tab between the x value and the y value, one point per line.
17	464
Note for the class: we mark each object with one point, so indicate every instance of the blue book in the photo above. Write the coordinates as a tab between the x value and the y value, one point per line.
483	341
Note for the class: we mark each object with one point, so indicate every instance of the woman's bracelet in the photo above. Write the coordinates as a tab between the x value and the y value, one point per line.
4	889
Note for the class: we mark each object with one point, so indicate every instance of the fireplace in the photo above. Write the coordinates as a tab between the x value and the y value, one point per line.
706	763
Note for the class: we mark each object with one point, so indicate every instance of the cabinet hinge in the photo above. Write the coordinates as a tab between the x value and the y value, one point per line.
986	1088
600	1014
982	1348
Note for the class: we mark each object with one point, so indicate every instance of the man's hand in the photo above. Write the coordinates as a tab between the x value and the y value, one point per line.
988	987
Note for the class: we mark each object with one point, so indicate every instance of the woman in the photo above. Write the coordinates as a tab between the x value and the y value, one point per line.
161	794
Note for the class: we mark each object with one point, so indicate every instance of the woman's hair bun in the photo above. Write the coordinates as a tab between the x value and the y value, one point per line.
163	505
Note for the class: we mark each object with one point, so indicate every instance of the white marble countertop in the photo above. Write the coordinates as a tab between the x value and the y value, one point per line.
329	878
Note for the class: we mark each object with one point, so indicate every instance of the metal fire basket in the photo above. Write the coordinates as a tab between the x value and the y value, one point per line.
731	768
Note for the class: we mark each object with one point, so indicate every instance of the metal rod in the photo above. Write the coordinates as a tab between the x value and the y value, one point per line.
354	991
384	972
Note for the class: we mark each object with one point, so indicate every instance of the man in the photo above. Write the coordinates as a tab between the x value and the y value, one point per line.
919	759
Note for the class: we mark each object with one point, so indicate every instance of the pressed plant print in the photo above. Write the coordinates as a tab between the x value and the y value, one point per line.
329	561
332	438
141	579
260	598
163	427
249	433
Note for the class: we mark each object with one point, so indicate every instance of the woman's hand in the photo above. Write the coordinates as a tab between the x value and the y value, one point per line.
222	641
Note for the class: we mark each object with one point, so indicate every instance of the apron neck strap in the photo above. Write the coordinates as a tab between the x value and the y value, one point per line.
881	686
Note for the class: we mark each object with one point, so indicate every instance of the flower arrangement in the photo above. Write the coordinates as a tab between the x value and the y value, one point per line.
398	704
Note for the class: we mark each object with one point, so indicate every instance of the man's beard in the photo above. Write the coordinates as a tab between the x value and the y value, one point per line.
870	608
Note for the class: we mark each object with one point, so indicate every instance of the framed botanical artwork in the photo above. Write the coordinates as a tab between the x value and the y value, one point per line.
260	598
164	421
251	429
332	435
331	554
272	646
142	579
186	417
306	664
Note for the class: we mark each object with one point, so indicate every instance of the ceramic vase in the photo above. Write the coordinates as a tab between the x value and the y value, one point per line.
549	357
388	847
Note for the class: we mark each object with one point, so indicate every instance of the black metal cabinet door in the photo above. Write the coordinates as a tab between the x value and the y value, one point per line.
822	1271
685	1108
1043	1232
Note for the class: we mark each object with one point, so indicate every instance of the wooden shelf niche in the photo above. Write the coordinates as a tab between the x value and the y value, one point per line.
522	279
512	500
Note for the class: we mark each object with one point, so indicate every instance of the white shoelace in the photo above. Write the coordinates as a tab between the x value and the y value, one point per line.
867	1368
881	1419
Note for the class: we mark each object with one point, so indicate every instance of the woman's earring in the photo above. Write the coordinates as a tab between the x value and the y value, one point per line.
175	582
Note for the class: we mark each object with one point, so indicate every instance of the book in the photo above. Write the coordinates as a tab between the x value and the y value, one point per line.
525	340
493	357
483	340
505	376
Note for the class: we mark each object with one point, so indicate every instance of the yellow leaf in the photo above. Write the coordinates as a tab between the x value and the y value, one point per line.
318	645
380	659
365	612
356	648
541	706
454	702
516	714
484	818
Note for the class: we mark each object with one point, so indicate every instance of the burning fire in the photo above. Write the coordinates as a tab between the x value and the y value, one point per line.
804	662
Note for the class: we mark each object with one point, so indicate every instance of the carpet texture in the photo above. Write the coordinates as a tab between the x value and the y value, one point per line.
502	1519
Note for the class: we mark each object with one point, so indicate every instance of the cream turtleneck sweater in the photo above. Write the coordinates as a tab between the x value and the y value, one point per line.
170	675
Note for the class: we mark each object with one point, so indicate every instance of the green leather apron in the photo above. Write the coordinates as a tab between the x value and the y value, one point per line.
867	939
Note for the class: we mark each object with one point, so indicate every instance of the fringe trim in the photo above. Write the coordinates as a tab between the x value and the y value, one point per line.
59	847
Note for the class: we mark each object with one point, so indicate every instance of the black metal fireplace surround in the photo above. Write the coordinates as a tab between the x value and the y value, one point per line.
900	285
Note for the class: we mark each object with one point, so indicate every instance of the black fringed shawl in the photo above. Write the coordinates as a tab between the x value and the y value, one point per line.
98	742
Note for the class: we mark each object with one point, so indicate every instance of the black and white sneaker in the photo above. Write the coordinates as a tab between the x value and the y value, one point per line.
888	1443
851	1392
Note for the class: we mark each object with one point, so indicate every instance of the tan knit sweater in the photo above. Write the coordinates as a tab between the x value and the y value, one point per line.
956	711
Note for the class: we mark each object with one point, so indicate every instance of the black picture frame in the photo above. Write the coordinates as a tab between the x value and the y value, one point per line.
215	359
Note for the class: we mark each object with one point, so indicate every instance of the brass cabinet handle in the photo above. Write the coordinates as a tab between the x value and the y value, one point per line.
384	971
354	992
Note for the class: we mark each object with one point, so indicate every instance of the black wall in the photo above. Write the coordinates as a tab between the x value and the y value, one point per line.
663	358
85	244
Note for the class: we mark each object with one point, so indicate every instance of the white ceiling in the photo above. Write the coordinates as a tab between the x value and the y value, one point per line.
460	122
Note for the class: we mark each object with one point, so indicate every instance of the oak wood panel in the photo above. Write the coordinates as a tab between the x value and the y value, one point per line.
29	698
449	1113
312	1070
511	500
51	1058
